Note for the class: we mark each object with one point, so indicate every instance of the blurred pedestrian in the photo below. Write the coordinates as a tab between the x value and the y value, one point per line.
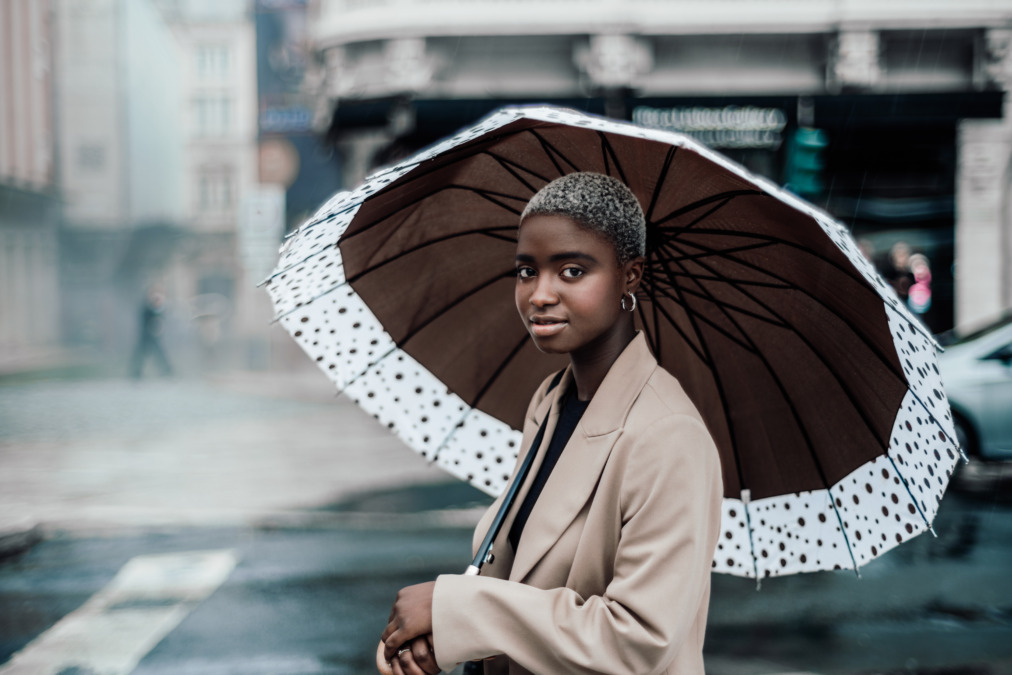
606	565
152	325
897	270
919	295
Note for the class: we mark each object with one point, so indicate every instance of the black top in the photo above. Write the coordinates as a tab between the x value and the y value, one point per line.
569	417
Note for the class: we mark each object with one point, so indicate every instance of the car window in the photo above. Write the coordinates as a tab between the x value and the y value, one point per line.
1003	354
955	338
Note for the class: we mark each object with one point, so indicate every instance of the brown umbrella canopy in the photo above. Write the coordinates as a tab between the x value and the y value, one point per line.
781	342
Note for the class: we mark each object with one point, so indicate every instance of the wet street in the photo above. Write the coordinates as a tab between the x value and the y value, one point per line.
255	524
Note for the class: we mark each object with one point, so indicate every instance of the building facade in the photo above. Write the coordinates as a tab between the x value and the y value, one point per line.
218	104
29	204
905	100
116	88
156	134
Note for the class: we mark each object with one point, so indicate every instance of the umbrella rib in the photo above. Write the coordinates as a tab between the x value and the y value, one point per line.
855	401
910	493
489	195
725	280
657	329
802	290
453	303
849	272
300	305
718	382
482	231
477	399
663	176
652	340
794	412
430	242
501	237
604	158
688	310
700	203
513	168
927	410
500	369
277	273
607	149
417	172
727	305
550	149
723	252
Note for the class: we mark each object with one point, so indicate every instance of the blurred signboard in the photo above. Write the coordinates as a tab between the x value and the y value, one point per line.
261	227
291	153
732	126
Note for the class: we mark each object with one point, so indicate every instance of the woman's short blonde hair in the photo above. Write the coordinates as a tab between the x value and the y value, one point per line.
599	203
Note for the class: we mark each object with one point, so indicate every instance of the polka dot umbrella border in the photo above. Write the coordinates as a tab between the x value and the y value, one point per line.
842	524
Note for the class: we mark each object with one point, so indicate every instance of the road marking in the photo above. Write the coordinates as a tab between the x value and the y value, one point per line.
117	626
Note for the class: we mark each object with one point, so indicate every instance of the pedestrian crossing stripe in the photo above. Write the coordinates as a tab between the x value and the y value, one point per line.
111	632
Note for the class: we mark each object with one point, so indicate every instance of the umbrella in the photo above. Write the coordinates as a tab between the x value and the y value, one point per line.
818	386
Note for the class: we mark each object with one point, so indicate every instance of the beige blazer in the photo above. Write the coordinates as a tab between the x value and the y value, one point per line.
612	574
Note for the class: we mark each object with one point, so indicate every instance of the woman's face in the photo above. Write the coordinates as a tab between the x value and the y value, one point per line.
569	284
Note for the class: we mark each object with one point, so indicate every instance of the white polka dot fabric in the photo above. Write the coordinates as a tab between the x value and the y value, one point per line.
876	507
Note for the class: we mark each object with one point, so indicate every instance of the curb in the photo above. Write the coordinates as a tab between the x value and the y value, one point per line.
15	538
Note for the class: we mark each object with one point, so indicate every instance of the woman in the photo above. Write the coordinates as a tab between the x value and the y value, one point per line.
603	564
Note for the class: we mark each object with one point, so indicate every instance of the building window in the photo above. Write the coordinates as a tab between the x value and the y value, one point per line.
91	157
215	190
214	62
212	115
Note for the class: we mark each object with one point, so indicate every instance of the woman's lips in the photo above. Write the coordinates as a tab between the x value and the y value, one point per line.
547	328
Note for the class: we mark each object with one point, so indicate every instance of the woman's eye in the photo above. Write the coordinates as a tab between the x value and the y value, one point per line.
572	272
525	272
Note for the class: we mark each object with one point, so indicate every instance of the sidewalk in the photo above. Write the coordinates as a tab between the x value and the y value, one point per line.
239	449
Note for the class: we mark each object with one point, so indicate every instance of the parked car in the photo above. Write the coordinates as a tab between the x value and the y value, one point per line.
976	370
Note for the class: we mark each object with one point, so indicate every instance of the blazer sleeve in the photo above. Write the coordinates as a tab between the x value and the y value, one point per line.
671	495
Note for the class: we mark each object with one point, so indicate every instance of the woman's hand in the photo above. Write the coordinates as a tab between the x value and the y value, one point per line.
416	658
411	617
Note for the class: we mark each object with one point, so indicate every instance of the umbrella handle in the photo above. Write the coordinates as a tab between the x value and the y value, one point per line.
381	661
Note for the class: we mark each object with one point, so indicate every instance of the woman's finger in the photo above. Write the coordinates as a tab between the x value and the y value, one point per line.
393	643
421	652
407	662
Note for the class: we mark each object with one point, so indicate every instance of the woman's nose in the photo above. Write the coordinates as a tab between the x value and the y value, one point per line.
544	293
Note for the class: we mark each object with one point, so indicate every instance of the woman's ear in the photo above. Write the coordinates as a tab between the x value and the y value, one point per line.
633	274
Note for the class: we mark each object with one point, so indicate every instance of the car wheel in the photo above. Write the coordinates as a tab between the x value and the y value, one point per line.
964	435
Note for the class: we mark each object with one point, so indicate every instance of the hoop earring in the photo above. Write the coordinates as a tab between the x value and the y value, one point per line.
622	302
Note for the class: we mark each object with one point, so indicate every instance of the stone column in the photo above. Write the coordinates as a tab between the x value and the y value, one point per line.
983	272
855	61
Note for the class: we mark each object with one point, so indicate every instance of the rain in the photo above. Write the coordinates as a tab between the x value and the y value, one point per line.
193	481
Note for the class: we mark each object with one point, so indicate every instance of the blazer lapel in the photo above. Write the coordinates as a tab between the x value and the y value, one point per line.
568	488
501	548
576	474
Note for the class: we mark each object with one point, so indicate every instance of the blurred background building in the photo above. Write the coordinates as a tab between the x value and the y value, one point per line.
888	114
167	145
29	201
